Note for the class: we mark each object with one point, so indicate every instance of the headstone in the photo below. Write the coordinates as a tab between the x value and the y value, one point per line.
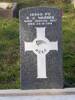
8	10
73	2
41	48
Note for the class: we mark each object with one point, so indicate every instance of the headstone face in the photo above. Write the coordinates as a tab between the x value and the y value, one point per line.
40	48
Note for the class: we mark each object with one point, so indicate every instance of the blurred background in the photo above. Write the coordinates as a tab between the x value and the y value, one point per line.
9	39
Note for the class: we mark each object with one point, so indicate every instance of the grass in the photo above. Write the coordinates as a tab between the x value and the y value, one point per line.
69	49
9	52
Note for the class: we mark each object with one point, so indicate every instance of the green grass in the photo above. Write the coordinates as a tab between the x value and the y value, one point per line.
69	49
9	52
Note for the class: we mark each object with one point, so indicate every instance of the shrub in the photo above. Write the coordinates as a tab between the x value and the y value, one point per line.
9	52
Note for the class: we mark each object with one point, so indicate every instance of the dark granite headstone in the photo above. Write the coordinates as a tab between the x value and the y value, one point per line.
40	48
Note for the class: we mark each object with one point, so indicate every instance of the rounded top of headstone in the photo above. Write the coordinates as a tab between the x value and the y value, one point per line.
43	8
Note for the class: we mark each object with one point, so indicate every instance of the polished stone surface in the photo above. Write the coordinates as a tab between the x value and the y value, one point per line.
41	65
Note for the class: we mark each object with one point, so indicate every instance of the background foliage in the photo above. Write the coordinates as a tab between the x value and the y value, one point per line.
9	53
9	43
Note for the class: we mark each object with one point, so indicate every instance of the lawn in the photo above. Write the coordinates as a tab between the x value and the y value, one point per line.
9	53
69	48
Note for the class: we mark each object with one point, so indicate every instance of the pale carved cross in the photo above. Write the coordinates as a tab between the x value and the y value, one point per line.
41	46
